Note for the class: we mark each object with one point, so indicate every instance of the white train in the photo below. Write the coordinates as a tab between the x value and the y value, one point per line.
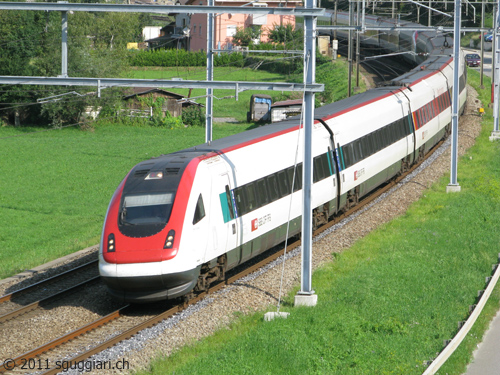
180	221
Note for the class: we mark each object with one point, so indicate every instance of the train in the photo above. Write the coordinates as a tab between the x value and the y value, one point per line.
179	222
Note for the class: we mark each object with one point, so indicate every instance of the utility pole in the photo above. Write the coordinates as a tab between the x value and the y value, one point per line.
349	50
453	186
64	43
495	134
481	73
306	296
210	75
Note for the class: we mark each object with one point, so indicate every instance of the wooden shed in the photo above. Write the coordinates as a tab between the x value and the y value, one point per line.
172	100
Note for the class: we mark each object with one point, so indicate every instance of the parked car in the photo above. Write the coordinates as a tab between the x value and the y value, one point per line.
472	59
488	37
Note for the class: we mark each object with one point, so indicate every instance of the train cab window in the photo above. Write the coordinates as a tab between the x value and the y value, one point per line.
199	212
272	185
146	209
262	194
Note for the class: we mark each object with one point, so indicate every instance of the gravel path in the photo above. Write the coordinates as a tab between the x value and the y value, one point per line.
260	290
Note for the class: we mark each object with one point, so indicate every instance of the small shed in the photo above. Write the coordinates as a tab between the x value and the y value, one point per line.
260	108
282	110
172	103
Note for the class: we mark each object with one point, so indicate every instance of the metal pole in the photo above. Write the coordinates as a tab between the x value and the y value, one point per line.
306	296
357	44
349	50
210	74
335	19
64	43
493	48
453	186
481	73
496	78
430	13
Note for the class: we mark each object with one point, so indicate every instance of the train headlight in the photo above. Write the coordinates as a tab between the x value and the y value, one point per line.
169	242
111	243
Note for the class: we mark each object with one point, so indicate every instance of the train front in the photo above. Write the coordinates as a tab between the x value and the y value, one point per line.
139	257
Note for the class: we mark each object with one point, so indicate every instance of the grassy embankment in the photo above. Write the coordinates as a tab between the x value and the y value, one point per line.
388	303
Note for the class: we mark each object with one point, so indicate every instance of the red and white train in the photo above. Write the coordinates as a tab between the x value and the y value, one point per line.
180	221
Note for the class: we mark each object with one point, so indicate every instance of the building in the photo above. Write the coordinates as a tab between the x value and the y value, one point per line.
225	24
173	103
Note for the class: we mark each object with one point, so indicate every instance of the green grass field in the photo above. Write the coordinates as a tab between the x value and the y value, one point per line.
387	304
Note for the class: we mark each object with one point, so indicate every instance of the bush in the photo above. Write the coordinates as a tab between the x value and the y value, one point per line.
193	116
172	58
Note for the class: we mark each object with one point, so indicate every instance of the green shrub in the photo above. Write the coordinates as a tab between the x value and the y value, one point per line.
193	116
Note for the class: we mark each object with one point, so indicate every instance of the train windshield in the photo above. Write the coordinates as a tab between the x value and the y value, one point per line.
146	209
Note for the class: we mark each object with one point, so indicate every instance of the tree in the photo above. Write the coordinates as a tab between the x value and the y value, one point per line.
286	35
32	47
243	37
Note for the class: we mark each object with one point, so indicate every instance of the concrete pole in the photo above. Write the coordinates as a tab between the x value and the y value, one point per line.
306	295
210	74
453	186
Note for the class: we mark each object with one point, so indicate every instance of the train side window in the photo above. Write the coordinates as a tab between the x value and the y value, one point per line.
348	155
297	181
251	199
316	167
283	183
239	200
262	194
360	155
229	202
321	170
272	185
298	178
199	212
325	165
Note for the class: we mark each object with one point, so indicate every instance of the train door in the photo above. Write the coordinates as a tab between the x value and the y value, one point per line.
411	150
334	162
226	231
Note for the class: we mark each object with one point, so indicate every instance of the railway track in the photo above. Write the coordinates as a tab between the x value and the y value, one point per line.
126	321
46	291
